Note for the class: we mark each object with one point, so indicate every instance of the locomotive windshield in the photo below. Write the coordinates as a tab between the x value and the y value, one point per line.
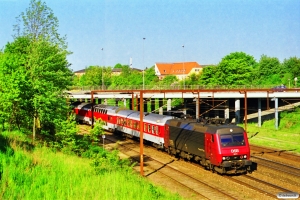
229	140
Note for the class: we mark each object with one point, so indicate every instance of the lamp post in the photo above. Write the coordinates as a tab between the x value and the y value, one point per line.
183	67
295	79
102	72
143	66
289	83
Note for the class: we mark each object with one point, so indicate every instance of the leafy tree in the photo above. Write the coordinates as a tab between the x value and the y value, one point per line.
235	69
93	75
193	79
207	76
36	64
118	66
40	74
169	80
13	83
39	23
268	70
150	77
292	67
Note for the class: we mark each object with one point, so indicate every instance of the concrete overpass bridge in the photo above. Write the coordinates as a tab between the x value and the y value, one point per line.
223	103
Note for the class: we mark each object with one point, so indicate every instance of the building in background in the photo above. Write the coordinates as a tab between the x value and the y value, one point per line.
181	70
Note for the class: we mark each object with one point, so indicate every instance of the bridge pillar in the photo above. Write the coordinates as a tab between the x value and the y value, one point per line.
105	101
237	110
161	104
124	102
161	111
259	112
169	105
276	112
116	102
226	111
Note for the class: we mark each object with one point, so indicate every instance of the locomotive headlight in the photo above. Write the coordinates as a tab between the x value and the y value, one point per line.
245	156
226	158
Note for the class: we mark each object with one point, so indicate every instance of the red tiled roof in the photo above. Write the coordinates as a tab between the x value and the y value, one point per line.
176	68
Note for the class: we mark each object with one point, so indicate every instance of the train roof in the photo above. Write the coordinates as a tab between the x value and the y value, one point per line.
109	109
207	128
84	105
148	117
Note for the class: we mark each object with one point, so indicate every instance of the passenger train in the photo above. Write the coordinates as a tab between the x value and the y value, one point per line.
217	146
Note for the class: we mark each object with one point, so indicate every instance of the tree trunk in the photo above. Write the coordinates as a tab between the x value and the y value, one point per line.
33	130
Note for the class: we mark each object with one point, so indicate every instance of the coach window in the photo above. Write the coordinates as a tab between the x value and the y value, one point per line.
134	124
145	127
156	130
149	128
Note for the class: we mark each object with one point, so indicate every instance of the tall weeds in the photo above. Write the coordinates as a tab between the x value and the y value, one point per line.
46	173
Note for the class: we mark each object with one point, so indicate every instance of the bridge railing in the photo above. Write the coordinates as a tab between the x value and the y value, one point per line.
168	87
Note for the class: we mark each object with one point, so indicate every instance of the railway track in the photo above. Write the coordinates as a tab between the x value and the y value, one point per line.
199	188
259	185
286	154
205	190
288	169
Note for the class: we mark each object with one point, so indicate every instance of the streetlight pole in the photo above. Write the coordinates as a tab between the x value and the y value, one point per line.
183	67
102	72
295	79
143	66
289	83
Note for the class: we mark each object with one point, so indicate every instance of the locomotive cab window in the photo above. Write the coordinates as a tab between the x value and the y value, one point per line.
236	139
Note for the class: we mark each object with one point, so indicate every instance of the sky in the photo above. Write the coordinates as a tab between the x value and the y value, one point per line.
204	31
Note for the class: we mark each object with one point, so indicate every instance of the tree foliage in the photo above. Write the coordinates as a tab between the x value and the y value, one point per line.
38	22
34	73
235	69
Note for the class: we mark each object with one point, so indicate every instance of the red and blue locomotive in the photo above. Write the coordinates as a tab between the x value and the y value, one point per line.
223	148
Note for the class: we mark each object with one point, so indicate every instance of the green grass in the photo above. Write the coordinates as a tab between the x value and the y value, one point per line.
286	137
41	173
